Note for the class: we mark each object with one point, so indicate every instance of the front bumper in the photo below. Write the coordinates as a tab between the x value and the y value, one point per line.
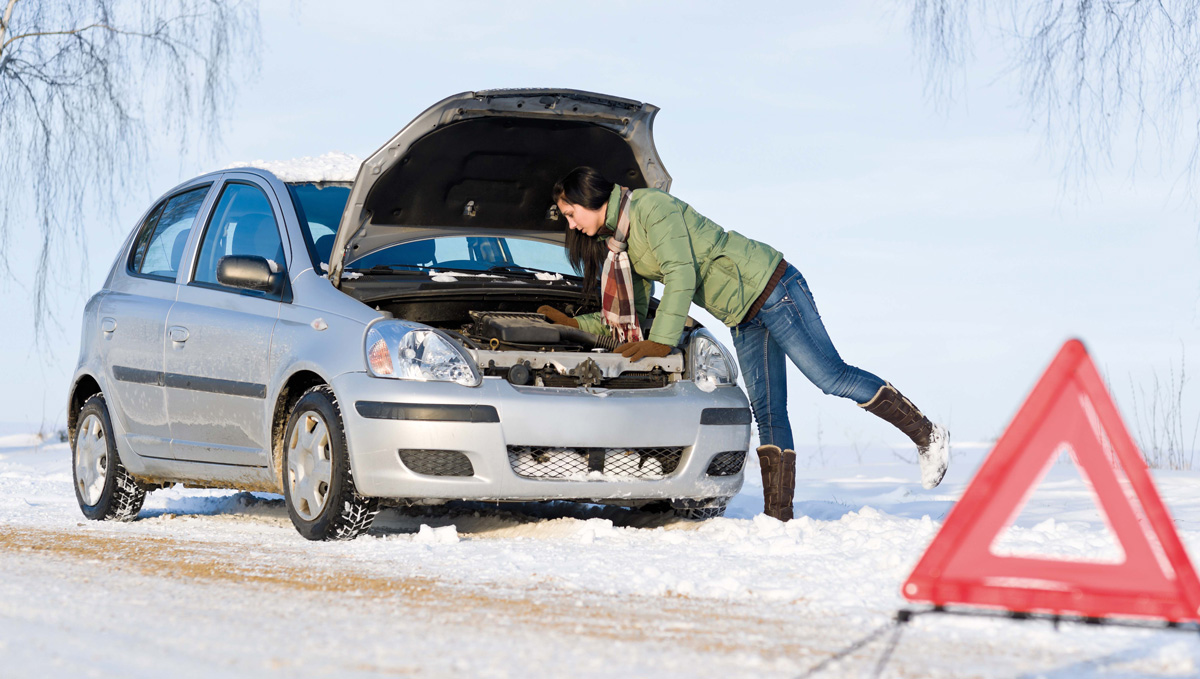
534	416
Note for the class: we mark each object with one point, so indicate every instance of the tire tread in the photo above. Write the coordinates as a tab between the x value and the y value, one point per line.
357	512
128	495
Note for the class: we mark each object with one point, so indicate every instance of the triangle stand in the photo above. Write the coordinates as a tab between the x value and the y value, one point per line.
1068	410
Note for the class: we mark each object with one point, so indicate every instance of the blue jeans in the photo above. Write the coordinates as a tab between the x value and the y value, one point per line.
788	325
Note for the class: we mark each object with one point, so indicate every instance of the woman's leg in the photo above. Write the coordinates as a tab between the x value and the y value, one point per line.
765	372
791	318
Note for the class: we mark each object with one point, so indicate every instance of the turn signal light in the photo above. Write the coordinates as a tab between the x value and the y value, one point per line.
380	358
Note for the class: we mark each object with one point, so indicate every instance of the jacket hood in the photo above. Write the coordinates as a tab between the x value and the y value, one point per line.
485	162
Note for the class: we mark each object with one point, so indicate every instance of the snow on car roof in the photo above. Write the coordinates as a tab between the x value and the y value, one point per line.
334	166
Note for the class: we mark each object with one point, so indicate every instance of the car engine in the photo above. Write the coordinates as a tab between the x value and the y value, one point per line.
528	350
517	330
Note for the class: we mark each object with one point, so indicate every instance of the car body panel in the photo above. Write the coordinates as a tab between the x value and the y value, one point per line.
132	354
216	398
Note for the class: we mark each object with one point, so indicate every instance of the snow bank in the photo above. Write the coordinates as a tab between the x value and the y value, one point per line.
334	166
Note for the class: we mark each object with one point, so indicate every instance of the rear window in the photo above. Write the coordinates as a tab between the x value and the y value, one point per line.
164	234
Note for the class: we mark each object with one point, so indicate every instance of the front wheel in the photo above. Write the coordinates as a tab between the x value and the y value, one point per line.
105	491
699	510
321	498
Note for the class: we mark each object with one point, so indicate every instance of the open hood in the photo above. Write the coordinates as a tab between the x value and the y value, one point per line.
485	162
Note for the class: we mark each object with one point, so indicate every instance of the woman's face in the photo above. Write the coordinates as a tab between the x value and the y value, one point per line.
589	222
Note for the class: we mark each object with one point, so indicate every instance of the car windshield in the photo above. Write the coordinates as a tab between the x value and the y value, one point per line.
319	207
470	253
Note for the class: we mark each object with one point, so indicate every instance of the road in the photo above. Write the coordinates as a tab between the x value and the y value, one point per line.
211	583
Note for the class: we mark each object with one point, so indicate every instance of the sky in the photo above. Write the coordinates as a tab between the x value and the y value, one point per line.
944	249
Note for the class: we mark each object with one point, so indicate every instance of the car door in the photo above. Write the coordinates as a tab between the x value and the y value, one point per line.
133	316
219	337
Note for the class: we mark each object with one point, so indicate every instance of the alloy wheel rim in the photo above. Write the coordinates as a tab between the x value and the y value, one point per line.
310	465
91	460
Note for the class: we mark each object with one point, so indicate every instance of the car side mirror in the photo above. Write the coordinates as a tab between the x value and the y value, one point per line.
249	272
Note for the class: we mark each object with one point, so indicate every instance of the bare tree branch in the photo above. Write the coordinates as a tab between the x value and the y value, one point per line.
1088	70
84	86
73	31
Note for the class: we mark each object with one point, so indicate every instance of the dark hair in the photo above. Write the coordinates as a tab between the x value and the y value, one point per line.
585	186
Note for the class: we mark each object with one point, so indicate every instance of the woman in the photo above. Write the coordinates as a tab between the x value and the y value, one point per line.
626	239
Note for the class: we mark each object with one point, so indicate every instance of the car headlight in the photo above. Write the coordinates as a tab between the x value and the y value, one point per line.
411	351
711	365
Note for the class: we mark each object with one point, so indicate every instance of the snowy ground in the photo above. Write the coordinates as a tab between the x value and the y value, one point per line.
212	583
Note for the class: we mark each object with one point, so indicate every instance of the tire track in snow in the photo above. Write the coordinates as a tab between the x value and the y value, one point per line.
720	628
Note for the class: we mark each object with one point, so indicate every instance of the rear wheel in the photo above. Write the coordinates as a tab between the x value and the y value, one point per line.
105	491
321	498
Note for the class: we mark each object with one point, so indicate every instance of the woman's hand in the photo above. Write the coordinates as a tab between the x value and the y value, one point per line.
635	351
557	316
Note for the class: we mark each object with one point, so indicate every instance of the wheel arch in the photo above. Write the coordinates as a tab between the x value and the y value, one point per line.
291	391
84	388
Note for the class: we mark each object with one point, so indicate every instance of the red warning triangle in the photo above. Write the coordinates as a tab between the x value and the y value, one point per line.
1069	407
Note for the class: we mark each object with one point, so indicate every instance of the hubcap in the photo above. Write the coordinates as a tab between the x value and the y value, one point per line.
310	465
91	460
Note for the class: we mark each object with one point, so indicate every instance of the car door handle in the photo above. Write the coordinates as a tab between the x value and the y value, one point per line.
108	324
178	333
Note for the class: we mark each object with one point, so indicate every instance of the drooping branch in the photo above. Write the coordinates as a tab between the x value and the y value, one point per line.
1088	70
84	86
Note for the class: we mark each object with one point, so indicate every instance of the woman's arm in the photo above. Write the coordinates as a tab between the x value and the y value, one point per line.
671	245
594	322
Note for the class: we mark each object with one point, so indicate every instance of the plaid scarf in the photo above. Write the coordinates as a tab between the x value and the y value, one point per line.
617	281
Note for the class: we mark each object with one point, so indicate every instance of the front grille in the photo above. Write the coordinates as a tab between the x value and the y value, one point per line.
437	462
602	464
727	464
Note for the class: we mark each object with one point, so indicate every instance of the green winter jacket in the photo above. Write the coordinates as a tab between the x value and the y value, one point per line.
695	260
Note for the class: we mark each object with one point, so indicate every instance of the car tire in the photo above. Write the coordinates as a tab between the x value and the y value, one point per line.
317	485
104	489
699	510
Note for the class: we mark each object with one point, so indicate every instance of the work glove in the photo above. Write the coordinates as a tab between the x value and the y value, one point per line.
557	316
635	351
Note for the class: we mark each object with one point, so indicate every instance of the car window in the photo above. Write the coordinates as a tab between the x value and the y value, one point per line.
242	224
161	242
469	252
319	208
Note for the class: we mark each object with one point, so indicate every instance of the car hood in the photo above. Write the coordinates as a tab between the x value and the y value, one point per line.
485	162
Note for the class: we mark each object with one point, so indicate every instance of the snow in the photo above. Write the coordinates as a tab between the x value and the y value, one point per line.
218	583
334	166
448	277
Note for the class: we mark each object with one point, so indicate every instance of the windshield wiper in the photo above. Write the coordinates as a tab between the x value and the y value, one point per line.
410	268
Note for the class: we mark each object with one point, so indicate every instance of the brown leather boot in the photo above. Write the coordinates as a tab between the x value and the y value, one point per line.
779	481
933	441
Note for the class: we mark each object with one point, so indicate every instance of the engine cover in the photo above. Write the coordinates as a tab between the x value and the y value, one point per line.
518	328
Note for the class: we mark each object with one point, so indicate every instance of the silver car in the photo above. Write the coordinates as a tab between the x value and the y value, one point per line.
374	342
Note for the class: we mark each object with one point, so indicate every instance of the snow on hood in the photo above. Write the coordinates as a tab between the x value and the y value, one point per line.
334	166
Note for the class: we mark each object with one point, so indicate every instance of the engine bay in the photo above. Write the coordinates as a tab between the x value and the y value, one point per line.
509	339
528	350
